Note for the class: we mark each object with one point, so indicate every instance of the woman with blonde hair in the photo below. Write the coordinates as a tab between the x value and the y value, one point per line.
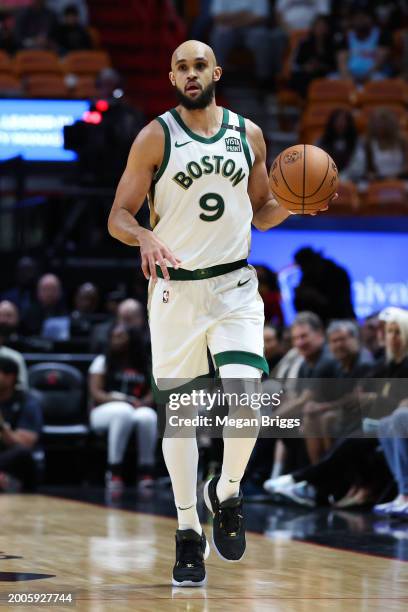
393	429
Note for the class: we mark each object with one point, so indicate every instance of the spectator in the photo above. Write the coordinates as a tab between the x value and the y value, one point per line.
327	420
59	7
273	350
315	57
121	398
364	50
295	15
86	303
393	429
324	288
386	148
49	304
269	291
244	23
35	25
23	294
7	39
70	34
353	472
309	341
9	320
130	313
370	336
340	139
20	429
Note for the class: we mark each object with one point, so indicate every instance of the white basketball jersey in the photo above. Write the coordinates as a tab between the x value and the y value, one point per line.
199	203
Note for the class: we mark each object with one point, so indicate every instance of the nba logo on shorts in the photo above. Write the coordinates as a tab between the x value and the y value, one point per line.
233	144
166	296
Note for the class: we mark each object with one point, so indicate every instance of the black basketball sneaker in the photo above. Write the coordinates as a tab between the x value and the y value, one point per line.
228	533
191	551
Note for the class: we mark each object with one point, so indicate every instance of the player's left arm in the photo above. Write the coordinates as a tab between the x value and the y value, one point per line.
267	211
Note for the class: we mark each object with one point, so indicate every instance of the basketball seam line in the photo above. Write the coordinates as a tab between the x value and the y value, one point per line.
325	176
308	203
304	179
285	181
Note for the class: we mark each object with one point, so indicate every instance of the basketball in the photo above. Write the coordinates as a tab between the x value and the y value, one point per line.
304	178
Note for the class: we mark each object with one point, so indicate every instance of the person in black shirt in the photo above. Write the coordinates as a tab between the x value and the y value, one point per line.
70	34
315	56
20	429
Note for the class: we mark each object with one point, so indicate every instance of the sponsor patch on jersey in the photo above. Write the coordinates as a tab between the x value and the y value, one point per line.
233	144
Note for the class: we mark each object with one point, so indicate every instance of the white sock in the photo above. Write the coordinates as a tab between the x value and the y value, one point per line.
188	518
181	457
227	487
277	469
237	451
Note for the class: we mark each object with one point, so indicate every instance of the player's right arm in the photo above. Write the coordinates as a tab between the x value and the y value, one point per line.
144	158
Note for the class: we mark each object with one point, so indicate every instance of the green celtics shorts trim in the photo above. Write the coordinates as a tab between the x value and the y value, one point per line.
243	358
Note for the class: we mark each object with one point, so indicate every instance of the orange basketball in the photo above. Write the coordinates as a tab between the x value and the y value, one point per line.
303	178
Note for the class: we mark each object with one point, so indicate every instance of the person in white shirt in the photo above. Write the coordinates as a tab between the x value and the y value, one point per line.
244	23
300	14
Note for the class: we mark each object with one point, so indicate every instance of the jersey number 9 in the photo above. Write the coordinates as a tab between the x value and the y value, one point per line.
216	209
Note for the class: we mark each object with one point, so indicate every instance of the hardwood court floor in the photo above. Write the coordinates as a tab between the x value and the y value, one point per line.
115	560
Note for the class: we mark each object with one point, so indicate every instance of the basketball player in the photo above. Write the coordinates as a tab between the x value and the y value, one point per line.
203	169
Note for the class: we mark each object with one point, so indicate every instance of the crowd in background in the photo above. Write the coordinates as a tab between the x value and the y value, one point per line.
332	462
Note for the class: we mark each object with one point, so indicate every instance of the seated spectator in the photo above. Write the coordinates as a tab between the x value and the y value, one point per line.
269	291
295	15
86	302
326	420
353	472
26	277
7	38
49	304
20	429
121	401
363	51
386	148
273	349
371	337
70	34
9	320
324	287
244	23
340	140
131	314
59	7
393	434
315	57
35	25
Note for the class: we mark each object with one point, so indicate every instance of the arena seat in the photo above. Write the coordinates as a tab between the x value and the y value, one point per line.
45	86
384	92
339	91
62	393
315	117
85	87
36	61
86	62
391	195
9	84
5	62
348	201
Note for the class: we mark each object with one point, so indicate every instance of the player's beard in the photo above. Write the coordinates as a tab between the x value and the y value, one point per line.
202	101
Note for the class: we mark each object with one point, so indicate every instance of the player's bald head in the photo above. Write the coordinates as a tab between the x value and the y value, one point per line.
193	49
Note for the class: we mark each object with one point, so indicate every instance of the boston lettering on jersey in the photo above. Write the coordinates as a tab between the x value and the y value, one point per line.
209	164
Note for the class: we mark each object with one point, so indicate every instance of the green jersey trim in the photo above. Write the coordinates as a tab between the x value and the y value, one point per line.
245	141
215	138
167	147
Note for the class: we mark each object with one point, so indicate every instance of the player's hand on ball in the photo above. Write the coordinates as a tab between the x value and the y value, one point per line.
153	251
336	195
